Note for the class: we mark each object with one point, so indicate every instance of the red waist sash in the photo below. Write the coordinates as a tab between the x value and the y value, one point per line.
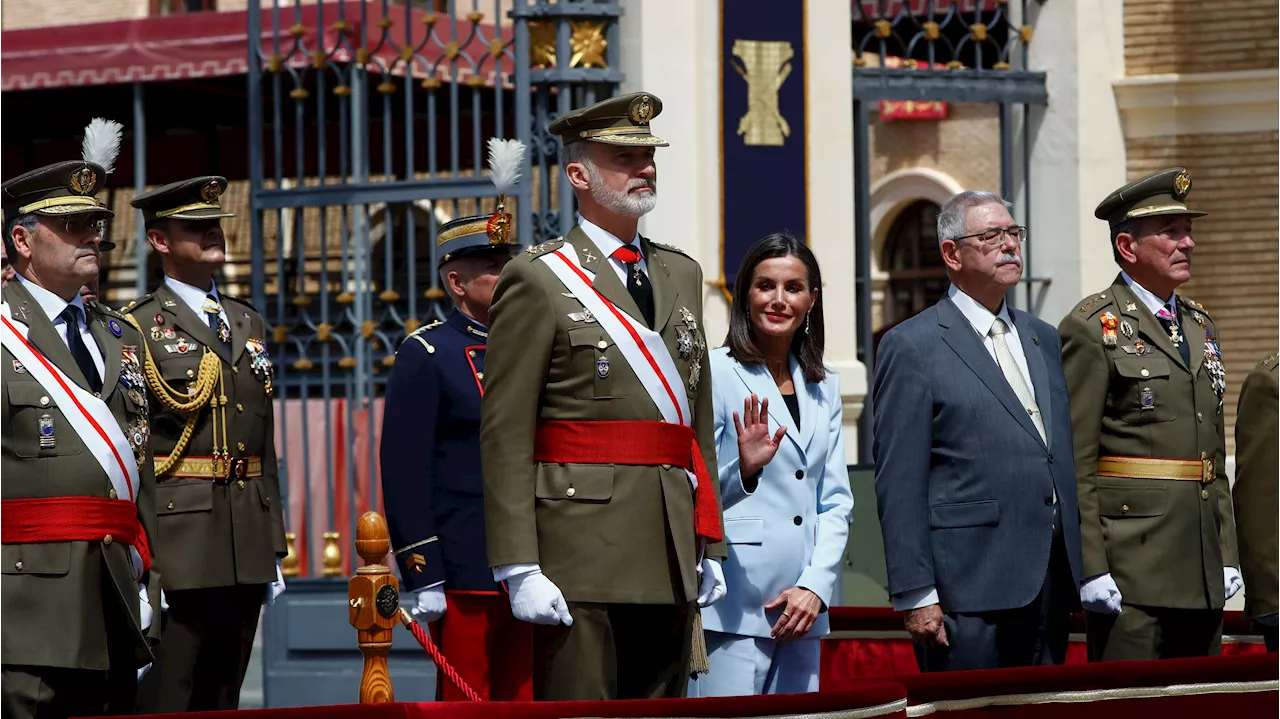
644	443
73	519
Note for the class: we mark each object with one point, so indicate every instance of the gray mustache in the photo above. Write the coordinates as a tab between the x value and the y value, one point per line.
1007	258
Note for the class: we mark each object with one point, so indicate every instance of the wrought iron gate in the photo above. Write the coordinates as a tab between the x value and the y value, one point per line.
367	120
976	44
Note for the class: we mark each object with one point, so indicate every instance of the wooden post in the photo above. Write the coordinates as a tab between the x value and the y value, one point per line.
374	596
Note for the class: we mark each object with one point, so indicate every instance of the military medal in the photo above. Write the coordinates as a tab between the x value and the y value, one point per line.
1173	333
157	334
169	333
47	438
1199	319
1108	329
602	368
18	367
697	346
260	363
1148	399
583	316
684	343
159	318
1126	329
114	326
1213	365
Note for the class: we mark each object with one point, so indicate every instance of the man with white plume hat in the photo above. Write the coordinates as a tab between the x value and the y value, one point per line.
431	458
78	516
211	386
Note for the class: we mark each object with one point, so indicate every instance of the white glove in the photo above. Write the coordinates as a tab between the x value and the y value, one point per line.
164	602
145	613
534	598
1231	581
430	604
143	672
276	588
711	588
1101	595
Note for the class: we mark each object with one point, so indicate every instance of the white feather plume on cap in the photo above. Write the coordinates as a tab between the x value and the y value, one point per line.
102	143
506	160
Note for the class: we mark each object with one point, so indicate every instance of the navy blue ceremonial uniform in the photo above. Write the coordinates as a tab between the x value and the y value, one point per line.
431	457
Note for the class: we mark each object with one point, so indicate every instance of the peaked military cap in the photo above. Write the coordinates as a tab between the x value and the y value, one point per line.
194	199
64	188
476	233
622	120
1160	193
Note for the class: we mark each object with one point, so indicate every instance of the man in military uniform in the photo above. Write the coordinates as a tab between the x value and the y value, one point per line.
213	431
431	472
1255	493
79	593
597	423
1146	379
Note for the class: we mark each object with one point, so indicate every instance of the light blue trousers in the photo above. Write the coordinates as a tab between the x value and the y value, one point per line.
743	666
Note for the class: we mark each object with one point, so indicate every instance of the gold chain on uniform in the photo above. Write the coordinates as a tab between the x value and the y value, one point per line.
190	403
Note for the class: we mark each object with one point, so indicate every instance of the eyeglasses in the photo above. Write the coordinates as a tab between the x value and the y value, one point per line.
995	237
79	226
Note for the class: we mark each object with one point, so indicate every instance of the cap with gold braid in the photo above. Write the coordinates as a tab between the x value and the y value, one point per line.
1160	193
196	199
622	120
464	235
64	188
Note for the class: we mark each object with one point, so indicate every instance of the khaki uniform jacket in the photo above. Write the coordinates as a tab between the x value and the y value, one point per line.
1164	542
622	534
60	598
1257	474
213	533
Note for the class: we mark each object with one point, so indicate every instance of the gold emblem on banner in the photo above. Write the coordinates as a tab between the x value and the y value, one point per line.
765	65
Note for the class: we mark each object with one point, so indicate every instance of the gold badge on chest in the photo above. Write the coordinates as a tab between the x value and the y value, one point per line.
691	346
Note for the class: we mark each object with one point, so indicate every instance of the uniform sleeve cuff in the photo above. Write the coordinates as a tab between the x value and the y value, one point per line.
507	571
915	599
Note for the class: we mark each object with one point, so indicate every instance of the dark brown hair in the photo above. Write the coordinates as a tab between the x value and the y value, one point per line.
807	346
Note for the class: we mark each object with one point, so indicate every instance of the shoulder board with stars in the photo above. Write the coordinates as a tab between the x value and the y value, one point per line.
134	303
1193	304
544	247
1092	302
1270	360
670	248
100	308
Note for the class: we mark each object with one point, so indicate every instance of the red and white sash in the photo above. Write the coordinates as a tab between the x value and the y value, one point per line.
88	416
644	349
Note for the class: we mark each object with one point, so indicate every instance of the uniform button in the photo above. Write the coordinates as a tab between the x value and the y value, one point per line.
798	521
1124	509
18	565
666	466
1051	459
107	539
239	407
1102	296
602	344
1199	416
235	370
112	494
1204	494
479	375
240	484
240	446
570	492
1145	372
1048	501
191	373
44	401
171	505
799	474
98	395
266	501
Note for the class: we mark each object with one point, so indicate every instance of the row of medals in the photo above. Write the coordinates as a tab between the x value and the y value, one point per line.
690	345
1212	355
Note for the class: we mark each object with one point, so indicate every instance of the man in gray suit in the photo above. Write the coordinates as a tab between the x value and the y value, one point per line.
973	453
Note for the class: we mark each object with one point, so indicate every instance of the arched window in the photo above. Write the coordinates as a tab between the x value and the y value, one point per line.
917	276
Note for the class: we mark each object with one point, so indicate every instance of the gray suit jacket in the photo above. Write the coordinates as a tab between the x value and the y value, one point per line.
964	482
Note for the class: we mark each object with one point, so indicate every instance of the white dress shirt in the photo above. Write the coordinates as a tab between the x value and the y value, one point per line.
53	305
194	297
1153	303
608	244
981	319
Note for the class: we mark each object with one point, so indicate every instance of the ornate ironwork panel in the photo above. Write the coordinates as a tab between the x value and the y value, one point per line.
367	121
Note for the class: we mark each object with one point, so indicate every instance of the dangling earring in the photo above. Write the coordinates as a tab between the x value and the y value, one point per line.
806	323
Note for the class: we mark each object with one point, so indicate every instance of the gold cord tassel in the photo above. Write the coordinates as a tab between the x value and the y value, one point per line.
699	662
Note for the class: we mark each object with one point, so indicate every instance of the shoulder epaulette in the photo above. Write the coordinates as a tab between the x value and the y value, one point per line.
1092	302
543	247
670	248
1270	360
102	308
134	303
417	335
1193	304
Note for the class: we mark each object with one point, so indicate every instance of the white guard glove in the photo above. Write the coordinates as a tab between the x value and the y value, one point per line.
164	602
711	588
430	604
1100	595
1231	581
143	672
276	588
534	598
145	613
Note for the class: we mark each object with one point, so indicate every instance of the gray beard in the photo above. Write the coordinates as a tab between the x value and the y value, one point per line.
622	203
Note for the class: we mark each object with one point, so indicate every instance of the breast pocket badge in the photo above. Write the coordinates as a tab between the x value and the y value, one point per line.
1147	399
602	368
48	440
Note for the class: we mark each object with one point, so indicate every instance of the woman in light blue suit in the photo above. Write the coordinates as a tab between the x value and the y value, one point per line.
783	479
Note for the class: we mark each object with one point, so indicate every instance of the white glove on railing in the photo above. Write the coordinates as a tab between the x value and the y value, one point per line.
1231	581
711	588
429	605
145	613
534	598
1100	595
276	588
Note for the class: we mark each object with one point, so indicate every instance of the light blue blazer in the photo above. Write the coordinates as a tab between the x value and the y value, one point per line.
791	531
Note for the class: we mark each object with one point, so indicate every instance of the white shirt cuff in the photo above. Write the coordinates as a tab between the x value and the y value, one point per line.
507	571
915	599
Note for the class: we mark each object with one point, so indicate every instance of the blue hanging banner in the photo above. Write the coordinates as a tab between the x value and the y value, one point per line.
763	138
